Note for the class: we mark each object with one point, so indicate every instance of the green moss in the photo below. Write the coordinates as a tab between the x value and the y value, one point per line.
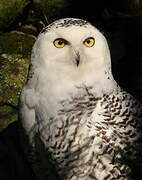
9	10
15	52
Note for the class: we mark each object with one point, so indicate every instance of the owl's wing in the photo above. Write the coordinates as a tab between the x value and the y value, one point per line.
31	142
27	109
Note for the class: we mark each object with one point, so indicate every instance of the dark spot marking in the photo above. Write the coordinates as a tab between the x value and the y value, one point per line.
65	23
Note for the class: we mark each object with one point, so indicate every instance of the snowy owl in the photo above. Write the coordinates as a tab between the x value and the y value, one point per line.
77	122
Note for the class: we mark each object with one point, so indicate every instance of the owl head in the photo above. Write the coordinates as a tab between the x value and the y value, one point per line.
70	52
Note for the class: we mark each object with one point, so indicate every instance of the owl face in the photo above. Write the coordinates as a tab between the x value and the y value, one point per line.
72	46
71	52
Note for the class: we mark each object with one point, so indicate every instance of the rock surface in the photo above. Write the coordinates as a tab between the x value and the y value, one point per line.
15	52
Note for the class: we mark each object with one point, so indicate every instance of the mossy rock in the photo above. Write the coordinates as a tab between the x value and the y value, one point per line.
15	50
9	10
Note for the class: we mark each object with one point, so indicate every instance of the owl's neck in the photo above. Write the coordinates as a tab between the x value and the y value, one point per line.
57	88
63	83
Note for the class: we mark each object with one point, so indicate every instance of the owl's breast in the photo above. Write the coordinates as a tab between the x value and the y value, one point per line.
91	139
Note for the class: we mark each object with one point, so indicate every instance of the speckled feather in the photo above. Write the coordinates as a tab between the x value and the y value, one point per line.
84	146
84	127
65	23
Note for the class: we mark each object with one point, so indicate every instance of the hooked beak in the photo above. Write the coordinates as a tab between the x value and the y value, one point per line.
77	59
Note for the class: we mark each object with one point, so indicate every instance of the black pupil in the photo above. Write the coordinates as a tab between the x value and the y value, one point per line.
60	42
88	41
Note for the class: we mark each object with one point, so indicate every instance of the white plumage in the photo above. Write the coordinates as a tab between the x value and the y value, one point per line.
76	118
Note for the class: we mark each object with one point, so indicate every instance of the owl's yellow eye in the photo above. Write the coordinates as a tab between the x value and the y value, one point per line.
59	43
89	42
